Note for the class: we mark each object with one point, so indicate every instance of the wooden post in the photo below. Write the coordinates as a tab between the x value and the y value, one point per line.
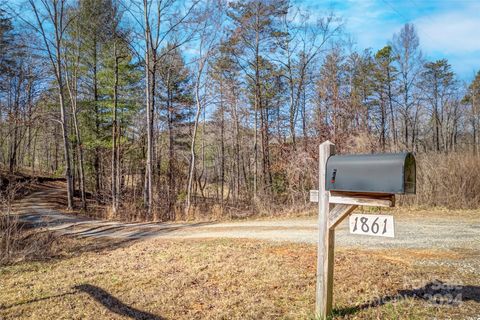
326	238
333	208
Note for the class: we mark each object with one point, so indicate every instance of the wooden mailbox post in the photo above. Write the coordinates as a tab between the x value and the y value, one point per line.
336	204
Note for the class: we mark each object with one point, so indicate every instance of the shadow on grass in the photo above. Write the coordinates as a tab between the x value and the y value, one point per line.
435	292
37	300
80	246
115	305
39	244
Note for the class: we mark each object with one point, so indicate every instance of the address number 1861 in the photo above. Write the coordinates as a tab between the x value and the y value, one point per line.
372	224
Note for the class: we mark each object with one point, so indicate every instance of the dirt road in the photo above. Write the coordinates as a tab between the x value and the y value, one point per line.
411	232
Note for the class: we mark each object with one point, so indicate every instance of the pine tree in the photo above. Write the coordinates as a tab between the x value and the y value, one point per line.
438	84
256	26
385	75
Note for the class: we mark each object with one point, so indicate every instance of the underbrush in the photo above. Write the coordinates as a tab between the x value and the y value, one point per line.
17	241
446	180
450	181
26	245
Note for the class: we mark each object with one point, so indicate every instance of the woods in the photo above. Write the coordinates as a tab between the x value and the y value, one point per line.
165	110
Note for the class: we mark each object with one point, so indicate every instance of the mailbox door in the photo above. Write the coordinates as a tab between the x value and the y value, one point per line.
410	174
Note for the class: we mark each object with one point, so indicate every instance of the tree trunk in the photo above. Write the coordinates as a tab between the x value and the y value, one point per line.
193	142
96	161
148	195
115	171
222	148
72	90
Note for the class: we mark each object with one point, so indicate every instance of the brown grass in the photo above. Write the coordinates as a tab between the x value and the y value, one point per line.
221	279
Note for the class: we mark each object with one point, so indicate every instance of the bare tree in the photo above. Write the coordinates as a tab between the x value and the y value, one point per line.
207	41
301	42
161	19
71	58
406	49
53	12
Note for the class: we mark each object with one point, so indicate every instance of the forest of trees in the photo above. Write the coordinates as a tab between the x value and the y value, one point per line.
162	108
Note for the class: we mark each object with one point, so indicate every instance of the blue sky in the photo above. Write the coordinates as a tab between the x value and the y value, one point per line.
446	28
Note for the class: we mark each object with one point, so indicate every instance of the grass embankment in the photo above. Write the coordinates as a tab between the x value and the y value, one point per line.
225	279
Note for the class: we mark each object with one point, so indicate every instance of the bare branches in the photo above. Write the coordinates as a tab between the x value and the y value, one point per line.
205	104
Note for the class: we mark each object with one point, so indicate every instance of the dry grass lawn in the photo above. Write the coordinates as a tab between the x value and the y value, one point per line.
228	279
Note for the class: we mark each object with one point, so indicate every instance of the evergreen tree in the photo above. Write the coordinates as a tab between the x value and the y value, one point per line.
6	45
256	26
385	75
438	84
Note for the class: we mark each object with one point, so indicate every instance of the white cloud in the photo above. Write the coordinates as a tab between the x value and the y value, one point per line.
451	32
447	29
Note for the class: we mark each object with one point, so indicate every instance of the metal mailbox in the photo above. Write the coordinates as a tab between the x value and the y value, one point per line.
391	173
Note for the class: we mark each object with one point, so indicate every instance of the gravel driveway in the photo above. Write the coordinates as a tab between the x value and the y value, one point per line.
433	233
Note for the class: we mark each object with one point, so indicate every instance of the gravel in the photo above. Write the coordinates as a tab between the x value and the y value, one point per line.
445	232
